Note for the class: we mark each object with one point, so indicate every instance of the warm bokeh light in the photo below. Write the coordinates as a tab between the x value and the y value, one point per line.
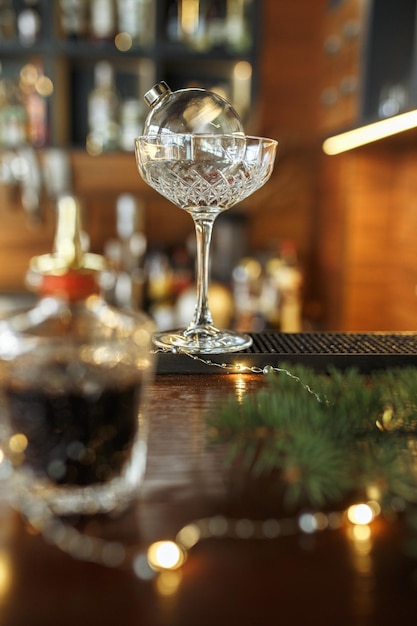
375	506
242	70
5	573
29	74
32	78
44	86
373	492
189	536
240	388
360	514
360	532
241	367
360	535
18	443
123	41
165	555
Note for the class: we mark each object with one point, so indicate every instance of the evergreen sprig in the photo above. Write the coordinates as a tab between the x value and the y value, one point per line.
325	436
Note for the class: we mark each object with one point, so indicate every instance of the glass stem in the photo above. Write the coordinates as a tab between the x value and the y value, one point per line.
202	316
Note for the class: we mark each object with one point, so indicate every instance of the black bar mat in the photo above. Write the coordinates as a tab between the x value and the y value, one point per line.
319	350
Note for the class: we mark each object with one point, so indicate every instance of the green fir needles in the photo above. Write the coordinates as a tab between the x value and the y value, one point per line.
325	437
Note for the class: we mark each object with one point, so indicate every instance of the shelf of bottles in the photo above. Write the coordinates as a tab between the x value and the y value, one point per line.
73	72
250	291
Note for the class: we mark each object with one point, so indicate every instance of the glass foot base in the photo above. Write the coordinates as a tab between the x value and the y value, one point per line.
201	342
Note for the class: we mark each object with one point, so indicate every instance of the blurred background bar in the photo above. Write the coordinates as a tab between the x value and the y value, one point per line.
328	244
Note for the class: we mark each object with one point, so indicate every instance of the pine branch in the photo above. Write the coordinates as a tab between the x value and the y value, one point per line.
362	432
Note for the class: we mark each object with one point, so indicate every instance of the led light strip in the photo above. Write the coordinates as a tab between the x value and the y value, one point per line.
371	132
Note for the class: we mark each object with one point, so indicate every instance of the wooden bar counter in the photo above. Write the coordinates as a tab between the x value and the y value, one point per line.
303	578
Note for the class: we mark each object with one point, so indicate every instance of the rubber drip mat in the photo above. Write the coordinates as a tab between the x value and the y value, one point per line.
320	350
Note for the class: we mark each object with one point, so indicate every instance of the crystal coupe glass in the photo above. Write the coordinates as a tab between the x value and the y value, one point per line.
204	174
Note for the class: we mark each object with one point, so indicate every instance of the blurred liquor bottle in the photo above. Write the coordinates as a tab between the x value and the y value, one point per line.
103	22
7	20
74	18
136	19
126	254
29	21
13	116
268	291
103	111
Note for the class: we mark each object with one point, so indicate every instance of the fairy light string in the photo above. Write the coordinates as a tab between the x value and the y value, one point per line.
170	554
145	561
239	368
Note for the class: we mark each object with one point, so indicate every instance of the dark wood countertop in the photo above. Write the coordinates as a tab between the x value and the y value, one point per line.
320	579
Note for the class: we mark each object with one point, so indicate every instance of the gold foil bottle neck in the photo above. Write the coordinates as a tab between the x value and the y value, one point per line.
68	254
67	244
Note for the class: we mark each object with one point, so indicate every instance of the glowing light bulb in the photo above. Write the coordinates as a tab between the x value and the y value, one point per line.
164	555
361	514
